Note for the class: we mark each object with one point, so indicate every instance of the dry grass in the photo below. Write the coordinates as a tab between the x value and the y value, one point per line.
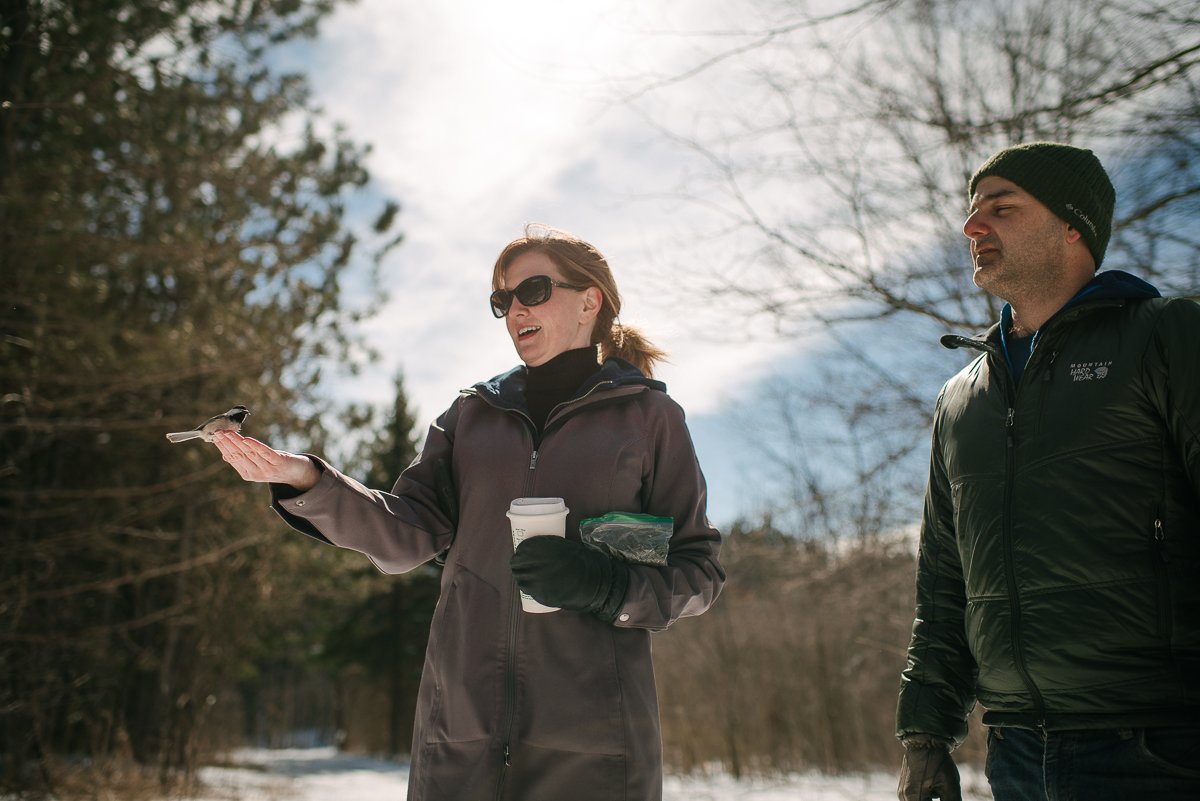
797	666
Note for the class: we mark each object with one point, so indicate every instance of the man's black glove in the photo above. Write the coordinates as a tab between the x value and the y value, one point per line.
571	575
927	771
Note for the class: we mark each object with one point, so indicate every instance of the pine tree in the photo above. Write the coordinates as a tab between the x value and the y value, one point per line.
385	634
167	251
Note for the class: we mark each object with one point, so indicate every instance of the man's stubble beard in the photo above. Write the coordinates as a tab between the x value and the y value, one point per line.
1034	269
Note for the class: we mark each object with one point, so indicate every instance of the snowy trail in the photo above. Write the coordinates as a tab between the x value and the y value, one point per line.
305	774
323	774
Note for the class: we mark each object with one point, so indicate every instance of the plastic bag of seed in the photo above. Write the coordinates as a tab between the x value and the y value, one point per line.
638	538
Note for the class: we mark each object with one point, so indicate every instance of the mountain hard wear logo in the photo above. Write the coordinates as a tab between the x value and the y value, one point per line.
1090	371
1086	219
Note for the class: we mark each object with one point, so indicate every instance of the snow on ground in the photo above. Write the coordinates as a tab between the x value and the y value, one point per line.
304	774
323	774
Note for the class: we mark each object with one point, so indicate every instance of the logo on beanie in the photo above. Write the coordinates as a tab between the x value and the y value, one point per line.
1086	219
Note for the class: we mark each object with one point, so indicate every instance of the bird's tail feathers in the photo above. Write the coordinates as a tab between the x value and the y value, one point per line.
183	436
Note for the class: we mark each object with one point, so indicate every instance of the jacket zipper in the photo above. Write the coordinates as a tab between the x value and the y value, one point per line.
1049	374
1161	558
510	689
996	356
514	618
514	610
1044	390
1010	575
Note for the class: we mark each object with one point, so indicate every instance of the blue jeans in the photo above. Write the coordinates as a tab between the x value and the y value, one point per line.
1112	765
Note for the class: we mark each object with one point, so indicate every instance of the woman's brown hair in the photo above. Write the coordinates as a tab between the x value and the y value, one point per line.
583	264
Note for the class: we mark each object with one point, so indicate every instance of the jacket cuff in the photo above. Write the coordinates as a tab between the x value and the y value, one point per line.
926	742
287	502
617	589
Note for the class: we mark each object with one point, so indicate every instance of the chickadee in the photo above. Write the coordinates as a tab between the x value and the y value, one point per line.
230	421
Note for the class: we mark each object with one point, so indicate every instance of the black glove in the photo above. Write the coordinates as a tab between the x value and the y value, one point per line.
927	771
571	575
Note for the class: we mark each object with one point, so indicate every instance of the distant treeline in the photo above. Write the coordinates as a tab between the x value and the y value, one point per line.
798	664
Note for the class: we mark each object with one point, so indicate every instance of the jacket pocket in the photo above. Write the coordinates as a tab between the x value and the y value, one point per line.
461	662
1176	751
569	690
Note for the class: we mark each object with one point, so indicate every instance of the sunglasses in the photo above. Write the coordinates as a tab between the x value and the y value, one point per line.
533	291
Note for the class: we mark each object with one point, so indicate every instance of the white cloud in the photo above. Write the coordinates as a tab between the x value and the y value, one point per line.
485	116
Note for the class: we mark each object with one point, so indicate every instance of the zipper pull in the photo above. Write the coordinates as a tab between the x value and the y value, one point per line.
1160	540
507	757
1049	374
533	461
1009	423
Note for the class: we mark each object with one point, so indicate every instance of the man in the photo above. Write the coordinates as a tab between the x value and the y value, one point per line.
1058	579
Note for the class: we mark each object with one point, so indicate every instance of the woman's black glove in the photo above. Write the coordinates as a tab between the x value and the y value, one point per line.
571	575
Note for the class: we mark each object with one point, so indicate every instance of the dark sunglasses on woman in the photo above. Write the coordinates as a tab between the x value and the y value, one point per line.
533	291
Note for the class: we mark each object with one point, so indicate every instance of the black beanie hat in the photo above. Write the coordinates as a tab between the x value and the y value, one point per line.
1070	181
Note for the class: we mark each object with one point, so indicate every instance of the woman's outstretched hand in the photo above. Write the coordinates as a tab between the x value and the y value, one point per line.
256	461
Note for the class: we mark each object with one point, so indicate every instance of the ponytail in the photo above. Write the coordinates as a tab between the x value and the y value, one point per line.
629	343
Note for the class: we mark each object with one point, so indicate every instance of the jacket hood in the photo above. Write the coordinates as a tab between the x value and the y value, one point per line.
1108	285
1114	284
507	390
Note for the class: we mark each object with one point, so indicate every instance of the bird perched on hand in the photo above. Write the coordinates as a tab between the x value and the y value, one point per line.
230	421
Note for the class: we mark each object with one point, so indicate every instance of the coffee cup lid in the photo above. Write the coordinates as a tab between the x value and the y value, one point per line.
537	506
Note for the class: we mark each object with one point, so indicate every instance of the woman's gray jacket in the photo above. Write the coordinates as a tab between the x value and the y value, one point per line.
522	706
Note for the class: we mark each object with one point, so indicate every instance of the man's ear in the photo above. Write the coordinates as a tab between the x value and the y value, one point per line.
1074	237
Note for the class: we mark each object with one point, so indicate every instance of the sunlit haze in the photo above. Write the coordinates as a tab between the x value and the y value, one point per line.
484	117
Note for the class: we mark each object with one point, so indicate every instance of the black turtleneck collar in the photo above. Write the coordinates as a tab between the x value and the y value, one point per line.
549	384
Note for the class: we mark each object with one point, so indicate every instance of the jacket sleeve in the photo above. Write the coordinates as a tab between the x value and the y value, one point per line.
1176	376
937	686
692	578
397	530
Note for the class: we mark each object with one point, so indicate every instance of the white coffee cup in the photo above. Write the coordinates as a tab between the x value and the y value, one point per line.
537	517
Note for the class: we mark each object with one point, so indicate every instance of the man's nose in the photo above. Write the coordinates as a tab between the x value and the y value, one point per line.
974	227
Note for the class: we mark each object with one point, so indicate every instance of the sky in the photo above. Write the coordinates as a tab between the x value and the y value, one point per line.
484	117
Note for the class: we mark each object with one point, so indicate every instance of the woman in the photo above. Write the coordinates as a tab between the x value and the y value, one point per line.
532	706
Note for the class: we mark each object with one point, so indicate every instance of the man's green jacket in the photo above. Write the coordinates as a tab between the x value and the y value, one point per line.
1059	571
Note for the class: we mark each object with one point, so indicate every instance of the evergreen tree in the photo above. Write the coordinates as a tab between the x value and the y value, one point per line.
385	634
167	252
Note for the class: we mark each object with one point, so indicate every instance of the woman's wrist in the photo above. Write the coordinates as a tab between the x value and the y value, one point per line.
307	474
